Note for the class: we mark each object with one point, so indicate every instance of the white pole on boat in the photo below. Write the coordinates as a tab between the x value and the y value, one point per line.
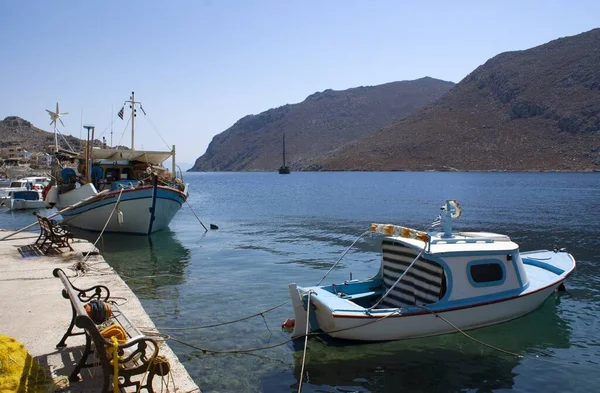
132	119
111	123
88	150
173	163
55	214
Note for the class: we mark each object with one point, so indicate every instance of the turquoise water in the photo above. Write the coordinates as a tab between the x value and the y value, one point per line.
276	229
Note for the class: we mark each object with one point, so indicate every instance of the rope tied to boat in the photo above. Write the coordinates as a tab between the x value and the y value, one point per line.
437	315
305	340
342	256
105	225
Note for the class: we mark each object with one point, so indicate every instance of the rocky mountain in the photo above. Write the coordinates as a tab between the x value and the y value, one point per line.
315	127
536	109
15	131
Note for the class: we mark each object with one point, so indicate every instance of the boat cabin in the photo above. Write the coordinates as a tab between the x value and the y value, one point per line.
456	270
113	174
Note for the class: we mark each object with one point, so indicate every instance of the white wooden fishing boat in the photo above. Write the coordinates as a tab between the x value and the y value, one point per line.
434	283
33	183
25	199
118	190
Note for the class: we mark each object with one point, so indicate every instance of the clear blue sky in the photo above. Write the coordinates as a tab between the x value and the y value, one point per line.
199	66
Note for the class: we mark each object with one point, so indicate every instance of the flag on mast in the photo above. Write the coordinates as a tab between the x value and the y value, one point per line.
121	113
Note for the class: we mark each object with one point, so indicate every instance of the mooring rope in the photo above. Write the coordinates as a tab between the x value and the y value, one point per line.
305	341
467	335
227	322
190	206
232	351
105	225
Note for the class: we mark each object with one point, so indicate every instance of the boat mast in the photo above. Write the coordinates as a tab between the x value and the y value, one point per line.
284	149
132	103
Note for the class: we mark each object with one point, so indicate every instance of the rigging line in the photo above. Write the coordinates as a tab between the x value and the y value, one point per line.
340	258
105	225
65	139
124	131
228	322
305	341
106	129
156	130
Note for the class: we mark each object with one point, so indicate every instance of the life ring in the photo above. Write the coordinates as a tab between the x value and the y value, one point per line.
45	191
457	209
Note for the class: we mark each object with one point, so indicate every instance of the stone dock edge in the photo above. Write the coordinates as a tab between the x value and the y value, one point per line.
33	311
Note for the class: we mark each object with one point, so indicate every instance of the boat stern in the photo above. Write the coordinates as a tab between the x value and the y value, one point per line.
299	311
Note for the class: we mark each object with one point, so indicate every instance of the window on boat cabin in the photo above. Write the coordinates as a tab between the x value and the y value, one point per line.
112	174
486	273
126	174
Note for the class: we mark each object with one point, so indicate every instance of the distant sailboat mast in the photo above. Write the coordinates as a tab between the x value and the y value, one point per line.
284	149
284	169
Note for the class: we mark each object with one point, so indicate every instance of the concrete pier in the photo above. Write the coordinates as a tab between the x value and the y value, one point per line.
33	311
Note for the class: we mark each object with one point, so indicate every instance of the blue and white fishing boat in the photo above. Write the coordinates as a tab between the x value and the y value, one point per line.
118	190
432	283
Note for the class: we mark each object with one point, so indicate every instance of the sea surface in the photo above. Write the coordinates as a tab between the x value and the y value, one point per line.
277	229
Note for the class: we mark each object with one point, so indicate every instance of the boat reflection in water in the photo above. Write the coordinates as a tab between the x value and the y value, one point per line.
146	263
447	363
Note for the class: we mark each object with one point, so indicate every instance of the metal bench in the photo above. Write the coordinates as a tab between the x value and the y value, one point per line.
53	236
137	354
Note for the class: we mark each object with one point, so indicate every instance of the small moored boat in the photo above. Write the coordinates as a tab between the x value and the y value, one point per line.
28	199
433	283
33	183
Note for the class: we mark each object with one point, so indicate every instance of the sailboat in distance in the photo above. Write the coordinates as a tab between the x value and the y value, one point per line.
284	169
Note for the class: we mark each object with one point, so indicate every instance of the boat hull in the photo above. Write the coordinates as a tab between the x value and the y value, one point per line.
22	204
386	326
139	210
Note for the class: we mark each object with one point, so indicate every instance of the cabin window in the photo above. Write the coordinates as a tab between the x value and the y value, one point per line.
112	174
486	273
126	174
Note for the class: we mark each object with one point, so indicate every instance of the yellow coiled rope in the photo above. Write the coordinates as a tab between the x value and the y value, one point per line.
115	363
